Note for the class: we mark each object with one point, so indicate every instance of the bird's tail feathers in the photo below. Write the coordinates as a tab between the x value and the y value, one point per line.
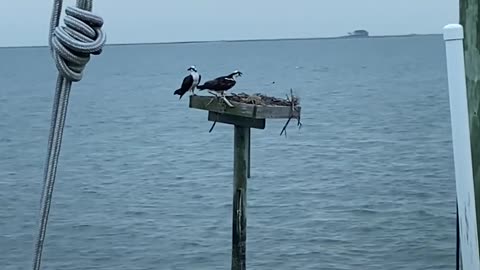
179	92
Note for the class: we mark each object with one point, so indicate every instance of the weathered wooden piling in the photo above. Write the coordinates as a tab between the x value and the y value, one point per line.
248	152
239	215
243	117
469	19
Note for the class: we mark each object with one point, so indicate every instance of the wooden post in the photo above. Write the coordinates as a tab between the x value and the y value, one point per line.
469	12
248	151
243	117
239	220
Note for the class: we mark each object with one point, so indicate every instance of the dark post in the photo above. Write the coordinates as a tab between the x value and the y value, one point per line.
248	151
239	225
243	116
469	19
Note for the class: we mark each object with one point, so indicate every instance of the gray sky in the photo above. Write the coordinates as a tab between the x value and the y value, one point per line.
26	22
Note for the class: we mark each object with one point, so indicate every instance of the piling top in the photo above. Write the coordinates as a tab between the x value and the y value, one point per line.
254	106
453	32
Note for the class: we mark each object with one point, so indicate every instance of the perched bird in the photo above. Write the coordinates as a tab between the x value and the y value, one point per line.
189	83
221	84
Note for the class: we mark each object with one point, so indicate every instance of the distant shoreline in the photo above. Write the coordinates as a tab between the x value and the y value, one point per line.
239	40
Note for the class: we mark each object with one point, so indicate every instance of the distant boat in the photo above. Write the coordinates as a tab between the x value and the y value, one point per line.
358	33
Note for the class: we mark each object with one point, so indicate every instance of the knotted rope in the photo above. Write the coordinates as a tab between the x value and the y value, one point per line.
71	46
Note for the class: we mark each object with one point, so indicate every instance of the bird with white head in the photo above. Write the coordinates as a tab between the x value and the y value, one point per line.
189	83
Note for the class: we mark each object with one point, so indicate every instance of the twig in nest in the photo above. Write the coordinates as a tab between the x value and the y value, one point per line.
214	122
284	129
212	126
293	108
299	124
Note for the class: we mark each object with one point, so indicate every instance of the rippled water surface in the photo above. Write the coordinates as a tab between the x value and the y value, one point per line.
367	183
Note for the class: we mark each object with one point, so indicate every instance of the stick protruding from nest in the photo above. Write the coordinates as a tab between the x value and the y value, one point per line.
293	107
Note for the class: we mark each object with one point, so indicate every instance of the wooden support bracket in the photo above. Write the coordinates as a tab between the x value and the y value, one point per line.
236	120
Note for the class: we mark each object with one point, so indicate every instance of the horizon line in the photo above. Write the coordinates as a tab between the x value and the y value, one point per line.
235	40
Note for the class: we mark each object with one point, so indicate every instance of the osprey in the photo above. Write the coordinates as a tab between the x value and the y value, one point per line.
221	84
189	83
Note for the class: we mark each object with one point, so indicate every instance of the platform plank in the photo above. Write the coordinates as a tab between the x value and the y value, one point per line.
242	109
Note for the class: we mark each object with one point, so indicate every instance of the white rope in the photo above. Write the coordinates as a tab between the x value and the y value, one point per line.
71	46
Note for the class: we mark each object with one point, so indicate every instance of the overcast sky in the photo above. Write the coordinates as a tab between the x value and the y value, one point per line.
25	22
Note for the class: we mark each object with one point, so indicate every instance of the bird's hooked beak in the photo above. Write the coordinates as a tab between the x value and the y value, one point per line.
238	73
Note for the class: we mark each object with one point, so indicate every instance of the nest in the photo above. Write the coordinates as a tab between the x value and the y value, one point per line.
264	100
261	99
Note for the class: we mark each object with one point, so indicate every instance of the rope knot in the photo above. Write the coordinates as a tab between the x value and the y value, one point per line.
73	43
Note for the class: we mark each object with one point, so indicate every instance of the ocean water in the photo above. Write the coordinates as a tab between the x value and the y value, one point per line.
366	183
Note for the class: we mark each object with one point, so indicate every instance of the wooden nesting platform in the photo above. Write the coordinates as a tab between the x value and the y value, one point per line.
249	115
248	111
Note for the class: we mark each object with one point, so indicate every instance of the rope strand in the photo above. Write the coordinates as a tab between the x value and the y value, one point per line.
71	46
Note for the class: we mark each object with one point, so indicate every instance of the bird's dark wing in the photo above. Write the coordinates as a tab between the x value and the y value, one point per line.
218	84
199	78
187	82
224	84
210	84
